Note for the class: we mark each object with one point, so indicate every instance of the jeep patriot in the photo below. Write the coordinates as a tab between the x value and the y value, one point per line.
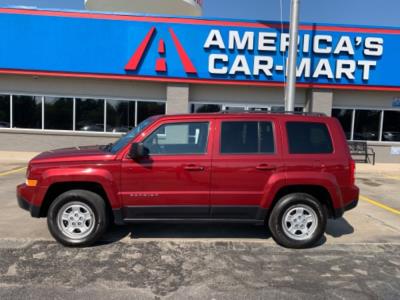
290	172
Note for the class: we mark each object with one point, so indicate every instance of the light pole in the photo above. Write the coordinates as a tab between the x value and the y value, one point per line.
290	92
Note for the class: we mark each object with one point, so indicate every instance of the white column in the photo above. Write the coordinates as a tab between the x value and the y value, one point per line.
320	101
177	98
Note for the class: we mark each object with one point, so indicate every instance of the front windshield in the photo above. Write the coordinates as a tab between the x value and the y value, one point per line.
125	139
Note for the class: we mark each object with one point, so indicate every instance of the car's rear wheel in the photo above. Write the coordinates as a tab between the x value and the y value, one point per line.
298	220
77	218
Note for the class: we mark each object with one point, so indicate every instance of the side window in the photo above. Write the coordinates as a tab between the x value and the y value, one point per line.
178	138
247	137
308	138
266	136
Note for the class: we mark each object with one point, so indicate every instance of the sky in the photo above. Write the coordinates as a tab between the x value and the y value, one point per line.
358	12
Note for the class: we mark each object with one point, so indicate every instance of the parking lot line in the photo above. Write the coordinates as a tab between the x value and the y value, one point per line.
12	171
376	203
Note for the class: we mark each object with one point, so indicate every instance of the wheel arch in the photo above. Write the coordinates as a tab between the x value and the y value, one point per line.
59	188
317	191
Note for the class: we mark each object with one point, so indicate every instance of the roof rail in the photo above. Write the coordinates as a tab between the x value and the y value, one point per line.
300	113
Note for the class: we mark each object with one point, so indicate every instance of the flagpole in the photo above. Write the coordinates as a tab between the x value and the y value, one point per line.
290	93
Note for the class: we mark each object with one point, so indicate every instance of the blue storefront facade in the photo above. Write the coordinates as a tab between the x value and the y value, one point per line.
99	74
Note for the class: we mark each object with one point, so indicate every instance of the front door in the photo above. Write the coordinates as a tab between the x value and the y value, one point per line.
173	181
245	156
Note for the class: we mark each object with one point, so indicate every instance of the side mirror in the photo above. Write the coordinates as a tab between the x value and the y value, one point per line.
138	150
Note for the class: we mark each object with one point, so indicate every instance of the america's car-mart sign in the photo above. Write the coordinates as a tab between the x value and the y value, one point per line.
141	47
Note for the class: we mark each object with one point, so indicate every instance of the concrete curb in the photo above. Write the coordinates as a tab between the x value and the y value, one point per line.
378	168
16	156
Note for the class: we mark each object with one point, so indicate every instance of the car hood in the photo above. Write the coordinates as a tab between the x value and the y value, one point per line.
81	153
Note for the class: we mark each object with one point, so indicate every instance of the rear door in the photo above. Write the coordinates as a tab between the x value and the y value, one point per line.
316	147
245	156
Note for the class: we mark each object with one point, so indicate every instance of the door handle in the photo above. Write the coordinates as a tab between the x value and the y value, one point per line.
193	168
265	167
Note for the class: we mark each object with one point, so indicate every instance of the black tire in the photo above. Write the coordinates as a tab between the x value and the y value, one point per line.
288	204
86	199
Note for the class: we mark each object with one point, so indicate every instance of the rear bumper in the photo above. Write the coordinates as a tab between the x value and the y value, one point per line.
339	212
353	195
24	203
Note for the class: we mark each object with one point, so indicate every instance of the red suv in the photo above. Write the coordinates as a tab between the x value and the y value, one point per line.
289	171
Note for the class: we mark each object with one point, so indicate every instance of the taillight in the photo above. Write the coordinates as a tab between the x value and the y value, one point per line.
352	172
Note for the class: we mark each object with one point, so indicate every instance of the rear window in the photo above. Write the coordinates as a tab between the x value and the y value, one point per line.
247	138
308	138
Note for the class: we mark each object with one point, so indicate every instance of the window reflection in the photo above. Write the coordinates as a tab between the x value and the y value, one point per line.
278	109
58	113
391	126
27	112
345	117
120	115
247	137
366	125
182	138
4	111
205	108
308	138
234	108
148	109
89	114
258	109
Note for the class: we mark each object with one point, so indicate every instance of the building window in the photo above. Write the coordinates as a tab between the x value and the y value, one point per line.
234	108
4	111
89	114
205	108
27	112
120	115
58	113
308	138
366	125
278	109
391	126
247	138
215	107
148	109
258	109
345	117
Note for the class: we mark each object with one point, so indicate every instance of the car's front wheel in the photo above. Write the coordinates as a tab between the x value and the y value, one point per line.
77	218
298	220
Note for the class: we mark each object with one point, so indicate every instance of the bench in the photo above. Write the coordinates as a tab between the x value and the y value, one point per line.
361	150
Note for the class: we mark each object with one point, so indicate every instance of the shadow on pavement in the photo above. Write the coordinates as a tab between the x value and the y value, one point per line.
187	231
202	231
338	228
335	228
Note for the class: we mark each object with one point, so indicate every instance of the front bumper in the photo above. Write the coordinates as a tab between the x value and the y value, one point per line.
22	192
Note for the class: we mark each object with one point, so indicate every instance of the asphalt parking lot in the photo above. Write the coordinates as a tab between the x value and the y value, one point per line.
359	257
